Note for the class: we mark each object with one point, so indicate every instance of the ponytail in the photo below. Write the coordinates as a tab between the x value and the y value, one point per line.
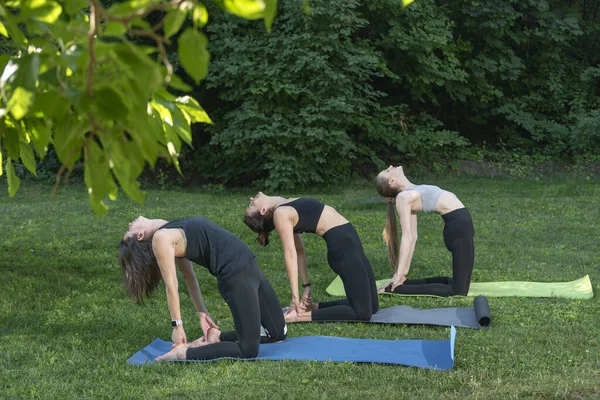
263	239
261	224
390	232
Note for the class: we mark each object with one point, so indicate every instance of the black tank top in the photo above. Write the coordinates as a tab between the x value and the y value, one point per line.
309	212
211	246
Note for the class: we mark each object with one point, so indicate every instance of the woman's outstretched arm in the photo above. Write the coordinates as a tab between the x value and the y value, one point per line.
163	246
404	203
187	270
306	300
414	237
282	219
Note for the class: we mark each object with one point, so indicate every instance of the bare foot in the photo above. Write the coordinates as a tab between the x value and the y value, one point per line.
178	353
291	316
214	335
211	337
201	341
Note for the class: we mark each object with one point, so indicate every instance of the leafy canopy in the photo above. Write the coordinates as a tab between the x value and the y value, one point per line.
96	83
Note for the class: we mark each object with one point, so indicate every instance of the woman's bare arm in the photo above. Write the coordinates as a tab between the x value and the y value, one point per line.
163	246
302	261
187	270
282	219
414	237
404	203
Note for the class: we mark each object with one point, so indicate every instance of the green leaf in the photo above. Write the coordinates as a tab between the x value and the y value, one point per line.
1	163
173	22
144	129
42	10
115	29
29	69
3	30
200	16
72	7
177	83
110	104
181	123
193	54
406	2
249	9
15	32
27	157
128	7
11	143
140	23
49	105
4	59
13	181
69	135
195	111
270	11
98	178
41	136
127	163
20	102
147	75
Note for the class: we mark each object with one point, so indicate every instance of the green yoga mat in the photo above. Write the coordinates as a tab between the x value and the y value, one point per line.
578	289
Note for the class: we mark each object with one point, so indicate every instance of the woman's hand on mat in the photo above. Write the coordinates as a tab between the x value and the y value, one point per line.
178	336
397	280
393	283
206	323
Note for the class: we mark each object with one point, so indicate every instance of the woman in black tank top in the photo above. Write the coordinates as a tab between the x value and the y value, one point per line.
345	255
153	249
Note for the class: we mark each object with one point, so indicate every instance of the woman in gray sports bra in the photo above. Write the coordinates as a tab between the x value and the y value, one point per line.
458	234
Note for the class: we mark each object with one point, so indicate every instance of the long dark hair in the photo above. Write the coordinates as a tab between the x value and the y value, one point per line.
390	232
141	274
261	224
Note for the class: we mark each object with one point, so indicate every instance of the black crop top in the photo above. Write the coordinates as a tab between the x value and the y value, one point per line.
309	212
209	245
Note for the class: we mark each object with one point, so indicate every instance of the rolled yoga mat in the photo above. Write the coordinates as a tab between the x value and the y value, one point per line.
432	354
578	289
476	317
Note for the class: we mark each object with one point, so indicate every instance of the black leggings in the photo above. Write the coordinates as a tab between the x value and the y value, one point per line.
253	303
458	237
347	258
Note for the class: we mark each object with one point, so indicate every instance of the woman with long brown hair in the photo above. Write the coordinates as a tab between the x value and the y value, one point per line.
153	249
345	255
458	234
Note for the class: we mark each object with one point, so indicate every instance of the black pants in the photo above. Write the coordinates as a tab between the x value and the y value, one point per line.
253	303
347	258
458	237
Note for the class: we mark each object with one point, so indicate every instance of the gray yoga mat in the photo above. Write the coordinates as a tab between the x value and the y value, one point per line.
476	317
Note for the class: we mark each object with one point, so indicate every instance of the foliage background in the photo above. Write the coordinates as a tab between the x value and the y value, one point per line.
341	88
354	85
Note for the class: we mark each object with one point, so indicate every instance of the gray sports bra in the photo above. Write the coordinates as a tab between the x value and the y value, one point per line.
429	196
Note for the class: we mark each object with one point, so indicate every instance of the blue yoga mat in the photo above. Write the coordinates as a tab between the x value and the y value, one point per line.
433	354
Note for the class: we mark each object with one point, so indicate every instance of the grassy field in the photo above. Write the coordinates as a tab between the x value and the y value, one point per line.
66	327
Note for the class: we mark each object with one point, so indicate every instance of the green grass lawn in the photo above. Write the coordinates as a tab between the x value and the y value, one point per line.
66	327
